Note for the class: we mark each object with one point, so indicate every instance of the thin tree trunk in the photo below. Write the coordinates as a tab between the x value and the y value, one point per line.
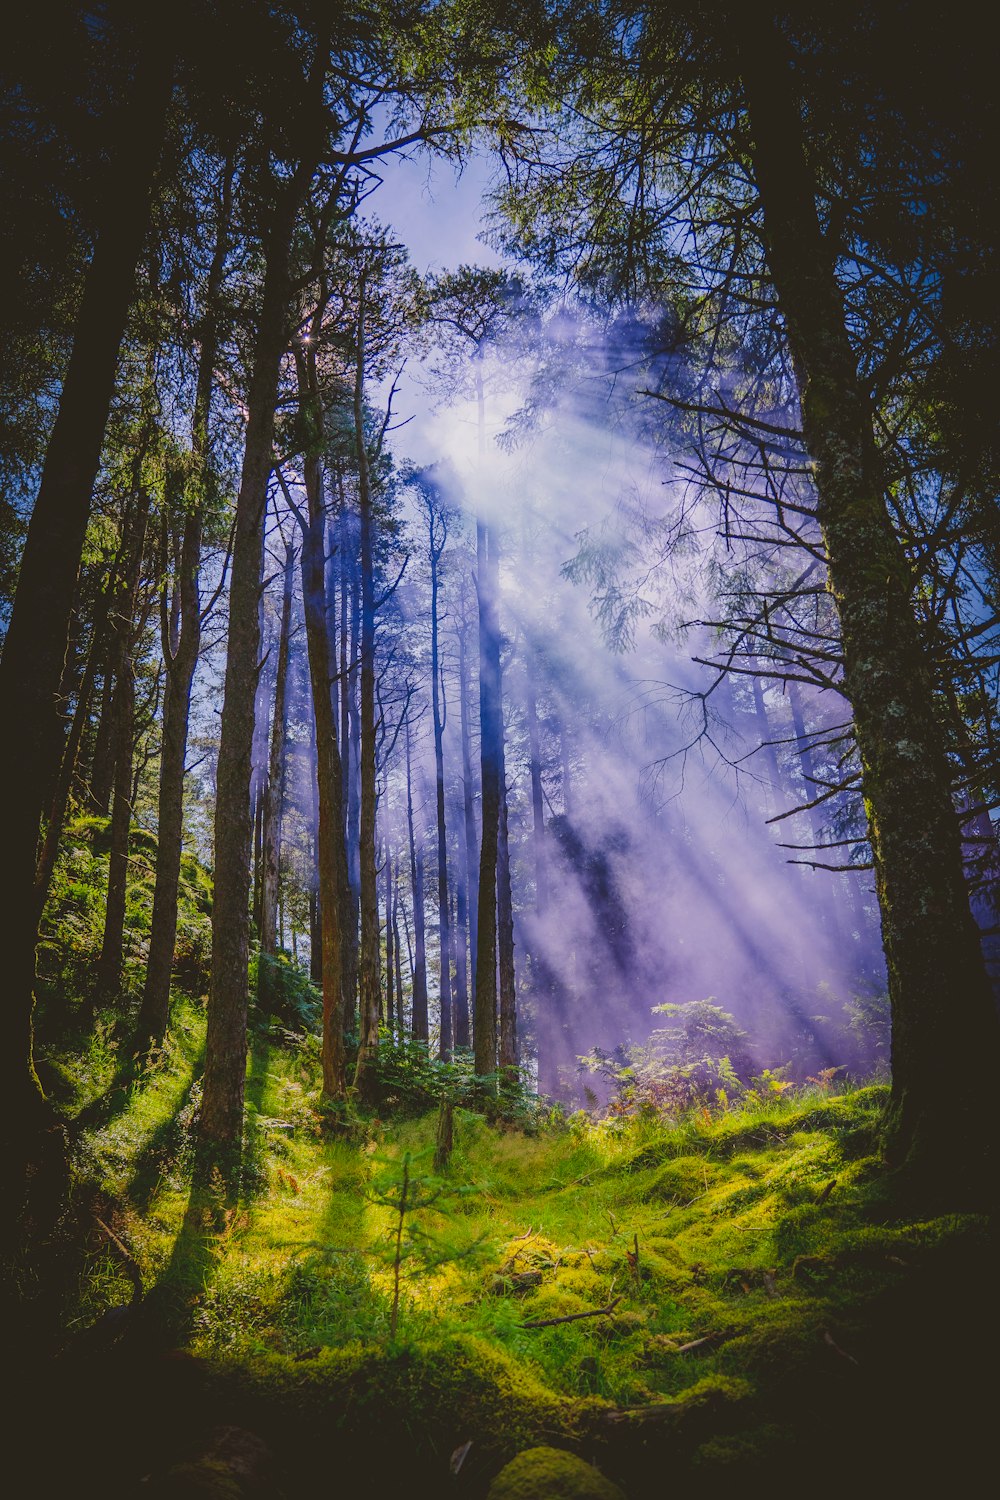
315	913
390	972
418	966
462	1028
942	1010
438	714
508	1054
469	809
225	1049
67	768
365	1078
181	647
354	808
566	770
491	731
259	748
400	1021
329	779
815	819
276	769
109	964
102	770
537	794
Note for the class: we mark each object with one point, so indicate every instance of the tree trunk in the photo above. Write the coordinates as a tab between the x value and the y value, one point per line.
941	1006
508	1057
566	769
225	1048
354	810
400	1021
365	1079
35	645
390	973
537	792
109	964
276	771
315	914
462	1028
181	647
102	769
419	1021
259	748
67	767
438	714
815	818
469	807
329	780
491	731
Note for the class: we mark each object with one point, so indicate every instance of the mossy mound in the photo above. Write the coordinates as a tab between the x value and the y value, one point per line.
551	1474
682	1181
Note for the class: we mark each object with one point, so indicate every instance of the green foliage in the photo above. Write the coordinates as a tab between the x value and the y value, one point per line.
554	1473
73	923
284	991
409	1197
870	1021
412	1081
710	1255
700	1056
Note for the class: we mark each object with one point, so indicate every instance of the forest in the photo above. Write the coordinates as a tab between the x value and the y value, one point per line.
500	625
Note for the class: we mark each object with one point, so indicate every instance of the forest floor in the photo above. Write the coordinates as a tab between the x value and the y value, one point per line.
739	1295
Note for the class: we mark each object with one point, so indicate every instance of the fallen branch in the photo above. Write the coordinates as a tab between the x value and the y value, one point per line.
663	1411
597	1312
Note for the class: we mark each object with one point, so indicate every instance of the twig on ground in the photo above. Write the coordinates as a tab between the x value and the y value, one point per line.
597	1312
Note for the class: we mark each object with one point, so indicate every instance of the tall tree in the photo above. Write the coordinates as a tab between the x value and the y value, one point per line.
181	625
276	766
418	1017
127	630
437	539
940	998
35	644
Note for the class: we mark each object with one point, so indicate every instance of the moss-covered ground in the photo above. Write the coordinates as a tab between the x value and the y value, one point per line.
740	1293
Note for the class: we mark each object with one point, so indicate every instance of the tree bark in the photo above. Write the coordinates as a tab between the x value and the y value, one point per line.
435	550
537	793
225	1049
35	644
353	781
941	1006
109	964
419	1020
400	1019
276	770
469	809
102	769
365	1078
56	819
462	1028
508	1054
329	779
491	731
181	648
390	973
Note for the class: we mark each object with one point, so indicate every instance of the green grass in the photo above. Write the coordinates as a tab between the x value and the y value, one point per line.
755	1280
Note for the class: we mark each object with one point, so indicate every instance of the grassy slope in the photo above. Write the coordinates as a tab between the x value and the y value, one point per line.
822	1318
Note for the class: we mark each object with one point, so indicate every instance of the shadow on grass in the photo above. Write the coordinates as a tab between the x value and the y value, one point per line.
164	1144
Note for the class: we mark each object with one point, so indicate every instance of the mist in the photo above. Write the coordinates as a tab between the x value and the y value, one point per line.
657	873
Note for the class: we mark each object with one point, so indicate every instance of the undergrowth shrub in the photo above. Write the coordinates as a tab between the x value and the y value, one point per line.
284	991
